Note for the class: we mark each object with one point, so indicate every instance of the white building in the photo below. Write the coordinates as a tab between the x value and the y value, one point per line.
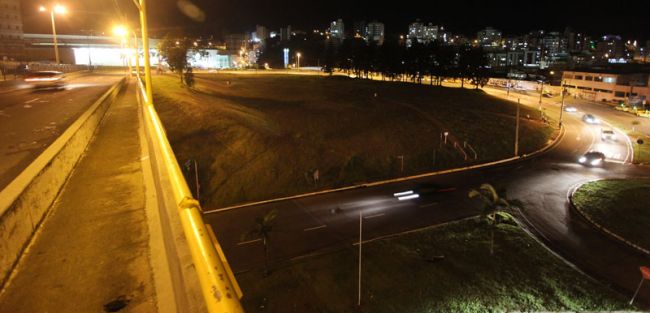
608	86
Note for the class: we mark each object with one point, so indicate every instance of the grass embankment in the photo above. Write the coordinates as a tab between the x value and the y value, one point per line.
261	136
399	276
620	206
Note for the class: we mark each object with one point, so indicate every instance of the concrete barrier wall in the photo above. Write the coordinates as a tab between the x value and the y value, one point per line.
25	202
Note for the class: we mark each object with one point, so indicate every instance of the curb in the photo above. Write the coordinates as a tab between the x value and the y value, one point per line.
597	225
544	149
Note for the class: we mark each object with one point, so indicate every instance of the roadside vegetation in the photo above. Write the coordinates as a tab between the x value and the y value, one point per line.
263	136
450	269
620	206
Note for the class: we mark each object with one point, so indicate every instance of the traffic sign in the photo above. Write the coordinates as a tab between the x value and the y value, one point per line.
645	272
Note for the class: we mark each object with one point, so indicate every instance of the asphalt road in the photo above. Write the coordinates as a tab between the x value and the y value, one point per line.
31	120
311	225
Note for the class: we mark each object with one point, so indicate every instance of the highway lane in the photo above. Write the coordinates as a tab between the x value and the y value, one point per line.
31	120
308	225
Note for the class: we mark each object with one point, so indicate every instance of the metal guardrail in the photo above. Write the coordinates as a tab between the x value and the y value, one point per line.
218	285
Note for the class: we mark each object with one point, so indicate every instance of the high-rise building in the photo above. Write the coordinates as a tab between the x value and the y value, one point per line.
261	34
376	32
285	33
415	34
611	47
337	29
11	30
489	37
430	33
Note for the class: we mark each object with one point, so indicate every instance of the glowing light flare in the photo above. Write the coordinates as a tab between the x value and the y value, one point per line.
120	31
59	9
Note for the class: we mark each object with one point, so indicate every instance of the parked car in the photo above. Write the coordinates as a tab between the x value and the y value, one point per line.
46	79
590	119
592	158
607	134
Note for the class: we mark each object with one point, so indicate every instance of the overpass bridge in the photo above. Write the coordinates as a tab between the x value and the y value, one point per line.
98	217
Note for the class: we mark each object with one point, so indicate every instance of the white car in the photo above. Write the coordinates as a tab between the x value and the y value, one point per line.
607	134
590	119
570	109
46	79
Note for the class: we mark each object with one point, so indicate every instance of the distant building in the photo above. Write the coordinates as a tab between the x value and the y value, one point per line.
375	32
337	29
489	37
236	42
261	34
430	33
629	86
11	30
554	48
415	34
359	29
610	48
285	33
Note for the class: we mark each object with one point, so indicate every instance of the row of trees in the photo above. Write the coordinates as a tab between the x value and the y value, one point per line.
393	61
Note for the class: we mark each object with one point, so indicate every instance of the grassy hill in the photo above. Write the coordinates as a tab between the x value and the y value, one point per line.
262	136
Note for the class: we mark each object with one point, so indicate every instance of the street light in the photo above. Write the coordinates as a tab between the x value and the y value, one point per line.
58	9
123	32
298	63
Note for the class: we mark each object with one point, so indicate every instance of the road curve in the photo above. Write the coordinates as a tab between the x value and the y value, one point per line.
330	221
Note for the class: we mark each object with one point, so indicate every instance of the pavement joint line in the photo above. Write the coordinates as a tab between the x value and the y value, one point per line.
315	227
428	205
373	216
249	241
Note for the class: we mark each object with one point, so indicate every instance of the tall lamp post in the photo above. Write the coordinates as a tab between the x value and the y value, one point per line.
298	62
58	9
124	32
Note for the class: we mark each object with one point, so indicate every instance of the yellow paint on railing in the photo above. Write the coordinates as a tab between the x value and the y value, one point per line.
218	285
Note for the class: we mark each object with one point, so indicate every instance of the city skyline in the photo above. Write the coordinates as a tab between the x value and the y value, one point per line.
222	17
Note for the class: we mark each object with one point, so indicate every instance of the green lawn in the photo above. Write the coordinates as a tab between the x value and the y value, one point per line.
257	137
620	206
399	276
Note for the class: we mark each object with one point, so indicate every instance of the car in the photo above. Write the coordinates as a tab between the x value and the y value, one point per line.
570	109
592	158
607	134
590	119
46	79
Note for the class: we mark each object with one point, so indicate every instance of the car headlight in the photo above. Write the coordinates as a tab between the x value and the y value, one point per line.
614	137
595	162
582	159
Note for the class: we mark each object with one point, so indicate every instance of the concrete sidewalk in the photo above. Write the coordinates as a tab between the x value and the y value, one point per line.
92	253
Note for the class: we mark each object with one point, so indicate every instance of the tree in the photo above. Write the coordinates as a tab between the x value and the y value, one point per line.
492	204
263	229
176	53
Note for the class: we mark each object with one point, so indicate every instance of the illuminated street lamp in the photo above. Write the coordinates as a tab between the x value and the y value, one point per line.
298	62
58	9
123	32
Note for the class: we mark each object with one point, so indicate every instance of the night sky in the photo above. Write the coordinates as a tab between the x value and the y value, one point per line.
627	18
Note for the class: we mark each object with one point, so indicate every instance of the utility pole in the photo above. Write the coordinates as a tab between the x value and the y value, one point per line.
360	244
56	43
142	5
517	129
541	93
401	157
562	104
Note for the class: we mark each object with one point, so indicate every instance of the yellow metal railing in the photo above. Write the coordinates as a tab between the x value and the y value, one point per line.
218	285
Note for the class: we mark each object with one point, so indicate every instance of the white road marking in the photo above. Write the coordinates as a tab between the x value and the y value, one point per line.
373	216
428	205
30	101
314	228
144	158
250	241
27	106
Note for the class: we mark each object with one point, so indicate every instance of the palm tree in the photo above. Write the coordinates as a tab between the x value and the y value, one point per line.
492	204
262	229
